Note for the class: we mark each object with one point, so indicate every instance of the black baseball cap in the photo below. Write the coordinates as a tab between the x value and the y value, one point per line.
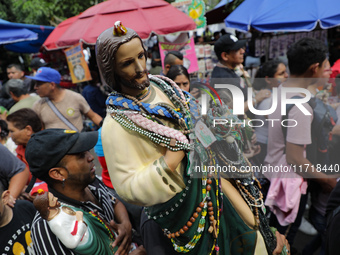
228	42
46	148
37	62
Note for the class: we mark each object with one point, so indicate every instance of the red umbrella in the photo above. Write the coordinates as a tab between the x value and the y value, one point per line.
144	17
50	43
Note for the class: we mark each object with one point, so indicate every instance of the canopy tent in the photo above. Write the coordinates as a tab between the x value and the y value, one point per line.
144	17
32	46
219	12
50	42
284	15
11	33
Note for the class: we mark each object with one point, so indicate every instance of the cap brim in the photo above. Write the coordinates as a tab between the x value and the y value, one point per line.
35	78
239	44
86	141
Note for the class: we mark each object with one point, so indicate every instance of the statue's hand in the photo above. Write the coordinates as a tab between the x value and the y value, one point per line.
173	158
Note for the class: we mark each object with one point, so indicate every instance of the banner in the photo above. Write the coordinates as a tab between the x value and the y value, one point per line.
77	65
187	49
194	8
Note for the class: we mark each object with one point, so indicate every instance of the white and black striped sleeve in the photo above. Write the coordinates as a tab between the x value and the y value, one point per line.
44	241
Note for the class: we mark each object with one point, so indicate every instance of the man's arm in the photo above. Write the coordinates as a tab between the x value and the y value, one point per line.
18	182
94	117
295	156
122	226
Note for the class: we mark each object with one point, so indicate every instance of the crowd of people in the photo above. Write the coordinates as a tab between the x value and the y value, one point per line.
157	193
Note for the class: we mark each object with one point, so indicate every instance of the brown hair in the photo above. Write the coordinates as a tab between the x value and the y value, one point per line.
41	203
24	117
106	48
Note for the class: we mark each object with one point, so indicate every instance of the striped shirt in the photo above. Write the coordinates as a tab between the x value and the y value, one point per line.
45	242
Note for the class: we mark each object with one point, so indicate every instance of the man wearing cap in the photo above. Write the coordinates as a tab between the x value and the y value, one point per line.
172	58
230	53
62	159
59	107
35	64
146	143
19	94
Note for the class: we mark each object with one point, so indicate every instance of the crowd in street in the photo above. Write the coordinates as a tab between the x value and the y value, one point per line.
148	199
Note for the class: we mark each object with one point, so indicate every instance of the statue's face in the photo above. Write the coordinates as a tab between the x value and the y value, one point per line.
52	200
131	66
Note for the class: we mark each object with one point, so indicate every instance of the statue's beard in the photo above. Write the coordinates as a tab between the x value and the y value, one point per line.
133	83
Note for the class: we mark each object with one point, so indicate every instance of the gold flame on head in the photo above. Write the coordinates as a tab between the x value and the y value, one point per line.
119	29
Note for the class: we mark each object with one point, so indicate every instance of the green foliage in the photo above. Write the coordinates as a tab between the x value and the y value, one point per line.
5	10
43	12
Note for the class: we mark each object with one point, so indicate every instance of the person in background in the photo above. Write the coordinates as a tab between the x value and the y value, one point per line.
318	152
22	124
207	34
172	58
230	53
15	225
270	75
95	96
307	60
19	94
217	35
5	139
14	71
35	64
14	174
180	75
156	63
59	107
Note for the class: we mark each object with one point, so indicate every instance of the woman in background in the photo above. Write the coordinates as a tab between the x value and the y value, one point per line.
270	75
179	74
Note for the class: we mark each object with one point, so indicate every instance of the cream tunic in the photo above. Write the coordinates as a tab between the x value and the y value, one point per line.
140	175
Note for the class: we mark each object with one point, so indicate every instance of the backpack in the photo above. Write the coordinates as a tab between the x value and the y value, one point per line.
324	119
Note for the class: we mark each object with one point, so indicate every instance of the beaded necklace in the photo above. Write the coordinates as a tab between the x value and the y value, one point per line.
141	117
109	231
143	95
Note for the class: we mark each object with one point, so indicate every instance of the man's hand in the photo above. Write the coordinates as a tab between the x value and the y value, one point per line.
123	238
327	184
139	251
281	244
10	201
262	94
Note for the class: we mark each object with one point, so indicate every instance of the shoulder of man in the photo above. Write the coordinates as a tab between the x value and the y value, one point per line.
45	242
26	207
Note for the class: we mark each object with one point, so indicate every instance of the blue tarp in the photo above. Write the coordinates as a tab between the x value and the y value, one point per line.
284	15
35	36
222	3
10	34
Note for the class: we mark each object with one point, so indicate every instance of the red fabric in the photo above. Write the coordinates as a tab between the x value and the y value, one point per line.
105	173
20	150
144	17
335	72
49	44
42	186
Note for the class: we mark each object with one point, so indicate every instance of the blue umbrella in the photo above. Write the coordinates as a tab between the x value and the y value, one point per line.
284	15
31	46
11	33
